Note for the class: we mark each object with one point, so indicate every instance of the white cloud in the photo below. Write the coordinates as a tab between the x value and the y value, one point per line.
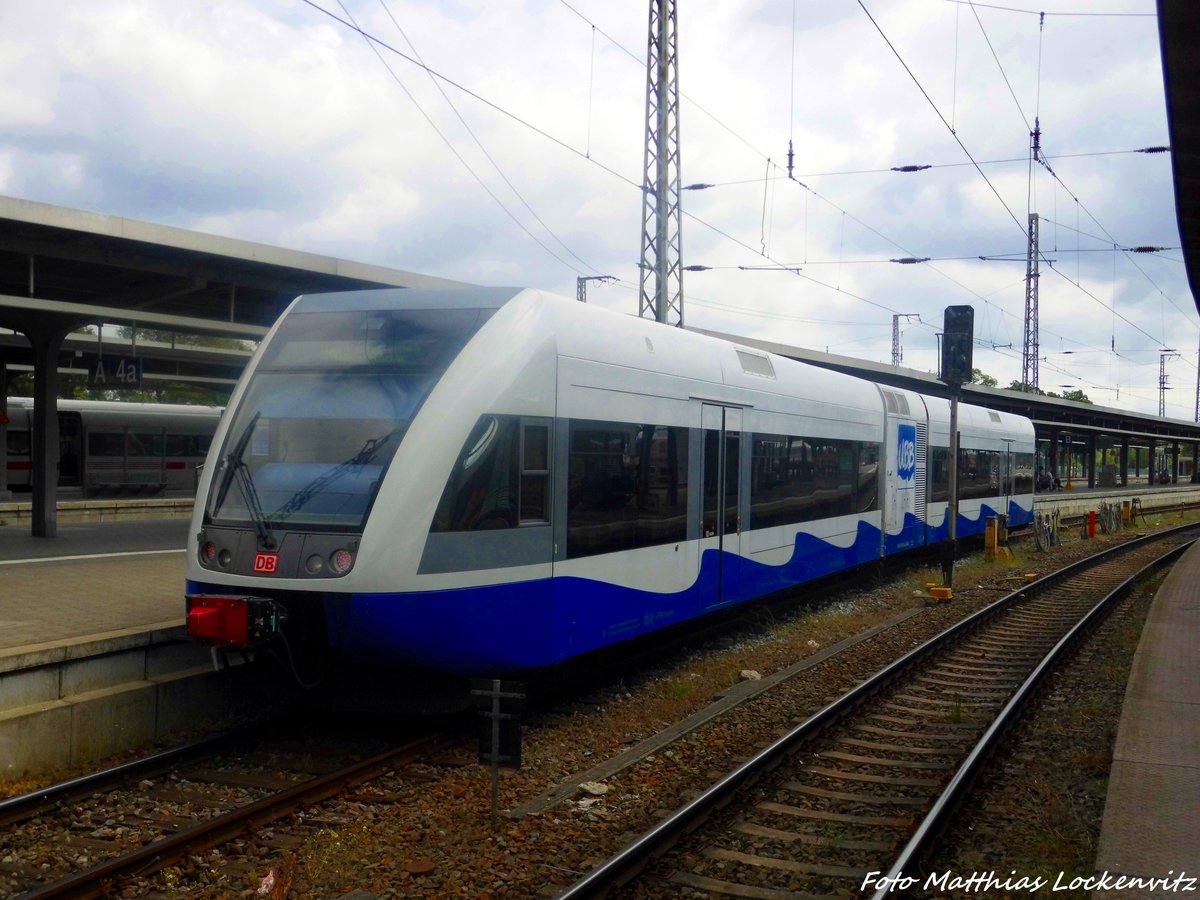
265	119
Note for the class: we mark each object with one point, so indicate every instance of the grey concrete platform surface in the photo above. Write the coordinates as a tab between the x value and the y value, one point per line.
1151	825
94	658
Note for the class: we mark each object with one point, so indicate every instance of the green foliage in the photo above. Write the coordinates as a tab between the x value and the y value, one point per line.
75	387
980	377
163	336
1077	395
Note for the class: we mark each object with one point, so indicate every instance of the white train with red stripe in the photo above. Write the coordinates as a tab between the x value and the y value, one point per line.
114	445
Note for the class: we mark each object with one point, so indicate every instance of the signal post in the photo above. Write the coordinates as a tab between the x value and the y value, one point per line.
958	339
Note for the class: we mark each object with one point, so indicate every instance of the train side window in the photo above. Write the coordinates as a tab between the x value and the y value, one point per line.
1023	473
627	487
939	474
145	444
17	443
483	489
535	473
868	476
800	479
104	443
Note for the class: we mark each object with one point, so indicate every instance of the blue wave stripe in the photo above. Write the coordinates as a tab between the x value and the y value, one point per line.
497	628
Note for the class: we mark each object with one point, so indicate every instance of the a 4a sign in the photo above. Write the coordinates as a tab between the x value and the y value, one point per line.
117	372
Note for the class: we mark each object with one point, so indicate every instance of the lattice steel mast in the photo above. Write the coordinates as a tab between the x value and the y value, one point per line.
1163	387
1029	355
897	350
661	217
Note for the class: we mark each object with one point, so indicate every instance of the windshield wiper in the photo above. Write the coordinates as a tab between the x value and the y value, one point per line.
236	467
364	455
253	506
231	457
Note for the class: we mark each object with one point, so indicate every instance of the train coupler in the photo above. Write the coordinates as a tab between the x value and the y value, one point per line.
233	621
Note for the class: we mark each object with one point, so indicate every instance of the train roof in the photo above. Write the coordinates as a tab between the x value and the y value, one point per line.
407	298
596	334
603	336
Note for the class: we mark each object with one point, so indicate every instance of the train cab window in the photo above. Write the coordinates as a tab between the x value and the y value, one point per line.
483	491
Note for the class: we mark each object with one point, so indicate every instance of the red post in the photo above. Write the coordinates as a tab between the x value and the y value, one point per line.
1092	523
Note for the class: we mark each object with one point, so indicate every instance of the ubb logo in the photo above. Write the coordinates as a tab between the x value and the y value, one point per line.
906	453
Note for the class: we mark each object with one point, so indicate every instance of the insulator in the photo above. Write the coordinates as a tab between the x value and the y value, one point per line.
910	168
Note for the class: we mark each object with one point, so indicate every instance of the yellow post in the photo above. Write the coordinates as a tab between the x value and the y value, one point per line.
993	540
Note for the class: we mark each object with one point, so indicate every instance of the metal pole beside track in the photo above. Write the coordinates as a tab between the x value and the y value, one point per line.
951	550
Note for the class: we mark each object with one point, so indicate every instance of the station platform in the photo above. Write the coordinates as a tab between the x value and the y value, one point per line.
1151	826
1080	498
94	656
92	579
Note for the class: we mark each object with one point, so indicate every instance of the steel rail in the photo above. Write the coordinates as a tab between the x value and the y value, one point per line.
626	863
24	806
213	832
960	782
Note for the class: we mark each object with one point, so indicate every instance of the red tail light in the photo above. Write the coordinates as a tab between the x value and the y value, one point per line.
232	621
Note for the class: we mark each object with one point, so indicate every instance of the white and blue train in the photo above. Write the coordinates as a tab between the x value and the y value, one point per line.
488	480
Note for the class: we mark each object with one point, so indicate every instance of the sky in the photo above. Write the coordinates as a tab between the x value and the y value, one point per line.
520	162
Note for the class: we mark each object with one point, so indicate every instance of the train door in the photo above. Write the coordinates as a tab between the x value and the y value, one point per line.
720	524
70	449
1008	473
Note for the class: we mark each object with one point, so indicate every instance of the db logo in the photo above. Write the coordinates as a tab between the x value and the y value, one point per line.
906	453
266	563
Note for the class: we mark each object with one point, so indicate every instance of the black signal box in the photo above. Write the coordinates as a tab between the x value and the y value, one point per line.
958	340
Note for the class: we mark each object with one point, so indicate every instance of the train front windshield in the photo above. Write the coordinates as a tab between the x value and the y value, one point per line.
325	411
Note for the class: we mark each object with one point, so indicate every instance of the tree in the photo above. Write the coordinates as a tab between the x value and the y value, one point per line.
982	378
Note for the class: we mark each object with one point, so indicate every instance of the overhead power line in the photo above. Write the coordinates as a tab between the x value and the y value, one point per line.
908	168
479	143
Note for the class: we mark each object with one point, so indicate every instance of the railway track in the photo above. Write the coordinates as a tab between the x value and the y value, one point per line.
80	838
848	802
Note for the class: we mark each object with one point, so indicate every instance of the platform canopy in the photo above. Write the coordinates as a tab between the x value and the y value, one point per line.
1179	34
68	265
62	269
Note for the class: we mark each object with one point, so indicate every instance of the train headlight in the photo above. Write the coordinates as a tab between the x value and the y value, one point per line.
208	553
224	558
340	561
315	564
